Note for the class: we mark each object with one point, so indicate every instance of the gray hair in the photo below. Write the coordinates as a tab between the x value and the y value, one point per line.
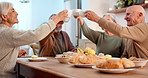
4	8
51	16
113	16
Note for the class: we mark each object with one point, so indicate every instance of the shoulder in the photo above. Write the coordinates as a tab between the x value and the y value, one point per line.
63	32
142	25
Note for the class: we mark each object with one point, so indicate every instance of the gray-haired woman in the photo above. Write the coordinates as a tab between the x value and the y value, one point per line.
11	38
106	42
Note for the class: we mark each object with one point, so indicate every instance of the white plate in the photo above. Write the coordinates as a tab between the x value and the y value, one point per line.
83	65
112	70
115	58
38	59
31	58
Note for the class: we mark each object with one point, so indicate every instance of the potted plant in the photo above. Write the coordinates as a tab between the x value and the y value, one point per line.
124	3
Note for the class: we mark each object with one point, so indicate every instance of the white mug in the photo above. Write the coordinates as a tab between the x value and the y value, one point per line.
68	16
78	12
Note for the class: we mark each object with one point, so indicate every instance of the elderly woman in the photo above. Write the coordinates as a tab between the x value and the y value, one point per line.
11	38
106	42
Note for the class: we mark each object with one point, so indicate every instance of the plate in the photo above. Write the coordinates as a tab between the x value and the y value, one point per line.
112	70
39	59
83	65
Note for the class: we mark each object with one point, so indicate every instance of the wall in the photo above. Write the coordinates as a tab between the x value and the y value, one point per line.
100	7
42	9
24	14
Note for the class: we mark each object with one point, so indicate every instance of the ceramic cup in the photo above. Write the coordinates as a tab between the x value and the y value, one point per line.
78	12
68	16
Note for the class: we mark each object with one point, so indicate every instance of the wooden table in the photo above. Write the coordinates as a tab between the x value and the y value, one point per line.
53	69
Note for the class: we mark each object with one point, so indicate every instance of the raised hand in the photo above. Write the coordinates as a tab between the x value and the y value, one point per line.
80	19
92	16
60	16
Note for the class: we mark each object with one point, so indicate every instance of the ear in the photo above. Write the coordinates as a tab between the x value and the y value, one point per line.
140	14
4	17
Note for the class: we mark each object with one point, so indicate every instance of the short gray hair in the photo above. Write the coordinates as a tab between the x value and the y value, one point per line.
51	16
4	8
114	17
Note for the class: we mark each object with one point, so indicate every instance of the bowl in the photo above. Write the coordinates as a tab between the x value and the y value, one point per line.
140	63
71	54
63	60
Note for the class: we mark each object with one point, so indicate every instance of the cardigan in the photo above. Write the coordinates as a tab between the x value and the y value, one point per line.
47	45
11	39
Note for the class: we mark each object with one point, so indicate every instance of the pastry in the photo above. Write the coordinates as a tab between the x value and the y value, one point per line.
34	57
112	64
127	62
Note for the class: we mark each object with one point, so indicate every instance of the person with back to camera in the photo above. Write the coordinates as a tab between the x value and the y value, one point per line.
12	39
107	42
56	42
136	44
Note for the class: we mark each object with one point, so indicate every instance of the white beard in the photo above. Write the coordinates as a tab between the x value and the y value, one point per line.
58	30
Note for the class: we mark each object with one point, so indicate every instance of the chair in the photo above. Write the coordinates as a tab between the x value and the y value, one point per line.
35	48
83	43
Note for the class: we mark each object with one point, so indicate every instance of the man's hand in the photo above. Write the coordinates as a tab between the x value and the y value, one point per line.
60	16
22	53
92	16
80	19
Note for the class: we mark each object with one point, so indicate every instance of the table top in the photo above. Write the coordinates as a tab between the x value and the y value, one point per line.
67	70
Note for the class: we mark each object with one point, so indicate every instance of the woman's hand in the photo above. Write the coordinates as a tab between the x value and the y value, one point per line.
60	16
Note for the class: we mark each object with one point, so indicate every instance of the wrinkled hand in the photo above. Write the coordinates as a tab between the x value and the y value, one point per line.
92	16
80	19
22	53
60	16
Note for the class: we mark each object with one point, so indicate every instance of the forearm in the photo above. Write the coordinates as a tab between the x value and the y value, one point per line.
31	36
89	33
133	32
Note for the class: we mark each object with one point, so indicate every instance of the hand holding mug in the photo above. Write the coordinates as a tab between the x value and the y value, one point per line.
60	16
80	19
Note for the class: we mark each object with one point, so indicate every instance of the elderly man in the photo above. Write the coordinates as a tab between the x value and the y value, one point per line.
11	38
56	42
136	33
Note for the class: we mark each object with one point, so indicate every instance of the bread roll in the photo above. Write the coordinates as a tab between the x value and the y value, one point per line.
89	59
75	59
99	63
112	64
